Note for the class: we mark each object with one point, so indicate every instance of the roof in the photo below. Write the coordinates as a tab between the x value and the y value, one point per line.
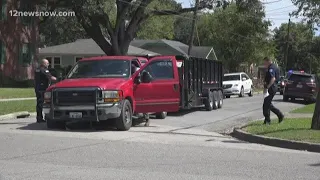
86	47
196	51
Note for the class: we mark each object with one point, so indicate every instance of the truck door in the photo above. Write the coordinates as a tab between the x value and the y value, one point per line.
162	93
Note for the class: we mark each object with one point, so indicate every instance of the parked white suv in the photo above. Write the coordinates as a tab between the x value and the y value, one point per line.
237	84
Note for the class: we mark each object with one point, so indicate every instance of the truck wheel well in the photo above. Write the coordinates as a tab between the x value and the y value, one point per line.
131	101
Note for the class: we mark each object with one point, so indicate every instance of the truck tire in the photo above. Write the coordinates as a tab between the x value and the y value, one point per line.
220	104
161	115
55	124
208	103
124	121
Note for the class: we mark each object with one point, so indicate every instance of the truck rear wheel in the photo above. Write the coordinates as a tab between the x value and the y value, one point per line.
161	115
124	121
215	99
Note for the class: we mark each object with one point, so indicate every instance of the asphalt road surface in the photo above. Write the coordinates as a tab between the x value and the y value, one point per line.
175	148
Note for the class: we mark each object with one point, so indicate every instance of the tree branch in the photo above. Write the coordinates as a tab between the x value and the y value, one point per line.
137	17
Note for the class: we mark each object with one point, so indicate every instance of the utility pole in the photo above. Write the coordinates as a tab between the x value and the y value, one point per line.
193	26
287	48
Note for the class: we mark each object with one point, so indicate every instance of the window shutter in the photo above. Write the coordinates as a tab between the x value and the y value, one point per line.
21	54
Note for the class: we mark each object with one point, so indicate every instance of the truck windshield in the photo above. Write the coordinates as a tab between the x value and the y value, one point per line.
231	77
101	68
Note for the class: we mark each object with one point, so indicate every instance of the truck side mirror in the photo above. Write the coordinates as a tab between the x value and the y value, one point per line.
146	77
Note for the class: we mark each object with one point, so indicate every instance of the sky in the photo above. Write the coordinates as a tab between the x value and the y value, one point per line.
277	11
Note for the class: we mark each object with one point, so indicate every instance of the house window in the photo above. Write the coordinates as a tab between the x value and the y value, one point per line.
2	53
56	62
3	13
26	54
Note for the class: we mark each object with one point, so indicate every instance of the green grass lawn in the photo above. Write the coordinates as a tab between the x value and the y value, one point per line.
306	109
292	129
6	93
16	106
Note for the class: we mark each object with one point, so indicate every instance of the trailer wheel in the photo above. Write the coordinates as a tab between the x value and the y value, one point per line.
124	122
209	102
215	99
161	115
220	99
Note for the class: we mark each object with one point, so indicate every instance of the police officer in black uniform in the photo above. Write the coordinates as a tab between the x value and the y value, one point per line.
270	84
42	80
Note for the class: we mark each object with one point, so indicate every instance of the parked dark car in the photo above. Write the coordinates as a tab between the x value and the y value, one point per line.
281	84
301	85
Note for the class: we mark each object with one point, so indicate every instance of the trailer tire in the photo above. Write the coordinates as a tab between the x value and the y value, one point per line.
220	104
208	103
161	115
215	99
124	121
241	92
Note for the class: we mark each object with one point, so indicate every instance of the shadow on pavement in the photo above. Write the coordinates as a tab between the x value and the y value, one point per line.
184	112
317	164
72	127
235	141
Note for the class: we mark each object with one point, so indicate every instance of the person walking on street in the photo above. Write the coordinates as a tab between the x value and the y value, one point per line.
42	81
270	86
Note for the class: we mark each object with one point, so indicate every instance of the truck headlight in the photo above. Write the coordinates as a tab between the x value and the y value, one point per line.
47	97
111	96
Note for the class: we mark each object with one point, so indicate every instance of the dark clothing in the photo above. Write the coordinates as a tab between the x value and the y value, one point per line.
42	80
267	103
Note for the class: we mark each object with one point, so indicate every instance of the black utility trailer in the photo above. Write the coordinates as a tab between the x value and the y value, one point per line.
200	82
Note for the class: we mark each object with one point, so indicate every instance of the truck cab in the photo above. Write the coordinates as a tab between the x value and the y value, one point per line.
113	87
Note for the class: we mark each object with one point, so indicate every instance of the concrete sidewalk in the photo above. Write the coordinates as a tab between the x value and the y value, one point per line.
17	99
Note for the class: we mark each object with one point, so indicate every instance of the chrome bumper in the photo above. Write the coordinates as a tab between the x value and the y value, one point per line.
99	112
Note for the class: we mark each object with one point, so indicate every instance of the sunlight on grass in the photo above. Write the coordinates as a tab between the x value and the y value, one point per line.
306	109
292	129
16	106
7	93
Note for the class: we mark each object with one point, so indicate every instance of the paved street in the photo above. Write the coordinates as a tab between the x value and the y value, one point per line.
174	148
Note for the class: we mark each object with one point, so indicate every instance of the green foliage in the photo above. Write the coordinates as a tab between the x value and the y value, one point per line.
309	9
303	51
158	27
238	36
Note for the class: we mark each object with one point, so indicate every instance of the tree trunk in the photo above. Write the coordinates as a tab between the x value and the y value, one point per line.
316	115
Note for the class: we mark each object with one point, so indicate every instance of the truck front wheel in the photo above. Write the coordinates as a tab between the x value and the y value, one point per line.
124	121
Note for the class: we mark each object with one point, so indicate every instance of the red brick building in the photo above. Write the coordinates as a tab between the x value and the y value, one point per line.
18	40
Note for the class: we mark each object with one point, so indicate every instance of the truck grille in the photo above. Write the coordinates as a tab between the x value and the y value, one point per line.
74	97
227	86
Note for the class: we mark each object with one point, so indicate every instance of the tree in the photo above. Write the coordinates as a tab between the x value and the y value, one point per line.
130	16
239	34
300	44
310	9
182	27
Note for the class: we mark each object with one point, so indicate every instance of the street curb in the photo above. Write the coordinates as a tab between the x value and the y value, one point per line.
21	114
244	136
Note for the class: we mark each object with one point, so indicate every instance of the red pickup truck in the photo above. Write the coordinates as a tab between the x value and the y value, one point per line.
115	87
